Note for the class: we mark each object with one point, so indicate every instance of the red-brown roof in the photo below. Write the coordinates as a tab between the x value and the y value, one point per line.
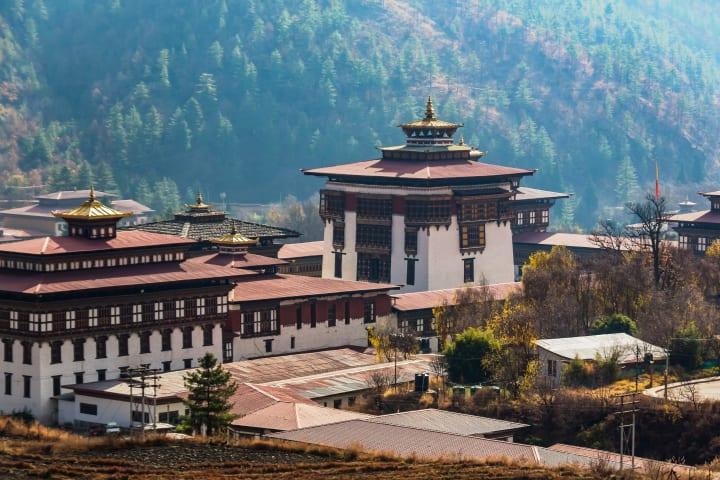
250	398
704	216
249	260
284	416
61	245
294	286
578	240
436	298
301	249
421	170
99	278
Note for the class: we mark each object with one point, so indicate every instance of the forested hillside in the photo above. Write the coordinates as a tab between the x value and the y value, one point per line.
157	98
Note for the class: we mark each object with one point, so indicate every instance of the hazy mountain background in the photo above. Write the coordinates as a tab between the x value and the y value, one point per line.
156	99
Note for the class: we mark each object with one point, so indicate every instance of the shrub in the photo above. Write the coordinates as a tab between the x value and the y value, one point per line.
578	373
615	323
468	354
686	348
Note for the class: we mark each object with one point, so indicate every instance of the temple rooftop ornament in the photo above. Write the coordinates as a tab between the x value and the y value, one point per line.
234	242
199	205
92	219
429	130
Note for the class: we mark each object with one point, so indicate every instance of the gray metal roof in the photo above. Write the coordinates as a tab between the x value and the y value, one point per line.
590	346
408	442
448	422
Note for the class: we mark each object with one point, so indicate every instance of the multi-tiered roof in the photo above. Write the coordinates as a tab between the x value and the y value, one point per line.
200	221
429	157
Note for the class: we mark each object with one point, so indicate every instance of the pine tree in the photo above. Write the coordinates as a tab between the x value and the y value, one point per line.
626	182
84	177
142	193
163	61
210	387
216	54
104	178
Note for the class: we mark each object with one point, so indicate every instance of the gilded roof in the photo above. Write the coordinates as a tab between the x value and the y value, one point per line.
430	120
234	238
92	209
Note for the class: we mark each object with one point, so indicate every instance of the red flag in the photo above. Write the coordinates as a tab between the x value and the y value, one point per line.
657	181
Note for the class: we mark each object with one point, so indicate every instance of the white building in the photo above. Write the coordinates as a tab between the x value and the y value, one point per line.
427	215
555	353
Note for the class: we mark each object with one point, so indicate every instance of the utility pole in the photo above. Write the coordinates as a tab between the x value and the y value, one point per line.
627	407
143	378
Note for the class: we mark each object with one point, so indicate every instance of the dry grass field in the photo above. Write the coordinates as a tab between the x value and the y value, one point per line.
32	451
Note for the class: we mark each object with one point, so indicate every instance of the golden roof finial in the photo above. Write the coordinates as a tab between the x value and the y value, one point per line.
462	140
429	110
199	199
91	209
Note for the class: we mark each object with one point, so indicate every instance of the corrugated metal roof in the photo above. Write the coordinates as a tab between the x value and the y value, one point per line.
255	371
643	464
590	346
448	422
578	240
527	193
293	286
301	249
283	416
406	441
355	379
436	298
703	216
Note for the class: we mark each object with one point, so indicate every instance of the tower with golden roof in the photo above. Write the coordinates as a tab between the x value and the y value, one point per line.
92	219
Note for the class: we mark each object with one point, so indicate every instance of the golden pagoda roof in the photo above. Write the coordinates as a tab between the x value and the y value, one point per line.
430	120
91	209
234	238
199	203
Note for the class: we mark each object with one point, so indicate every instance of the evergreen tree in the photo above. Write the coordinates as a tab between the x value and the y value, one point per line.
84	176
626	183
104	179
210	387
163	62
142	193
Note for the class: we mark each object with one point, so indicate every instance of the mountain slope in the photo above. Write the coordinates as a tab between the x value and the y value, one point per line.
236	95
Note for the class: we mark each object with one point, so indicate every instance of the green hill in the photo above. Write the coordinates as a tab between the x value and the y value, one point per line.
235	96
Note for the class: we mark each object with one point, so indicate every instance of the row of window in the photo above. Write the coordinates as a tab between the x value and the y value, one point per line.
86	264
265	322
114	315
79	378
700	244
532	217
101	345
374	236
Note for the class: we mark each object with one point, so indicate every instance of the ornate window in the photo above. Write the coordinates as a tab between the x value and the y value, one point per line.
532	217
472	236
683	241
374	208
478	210
701	244
373	268
179	308
259	323
114	315
158	309
332	204
92	317
369	313
222	305
375	237
545	216
520	218
411	238
70	319
14	325
331	314
469	270
338	234
424	211
200	306
137	313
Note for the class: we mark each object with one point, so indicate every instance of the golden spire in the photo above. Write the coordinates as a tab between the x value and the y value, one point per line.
91	209
234	239
199	203
462	140
429	110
